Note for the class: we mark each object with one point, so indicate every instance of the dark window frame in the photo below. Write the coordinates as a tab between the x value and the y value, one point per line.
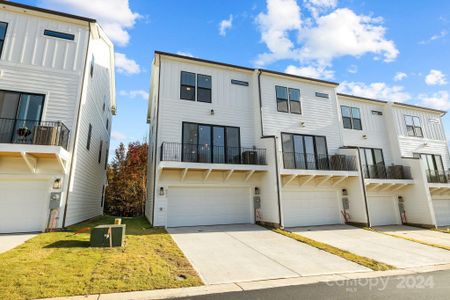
2	41
304	148
203	88
351	118
187	85
91	70
239	82
89	137
322	95
107	123
103	196
106	157
282	99
212	126
298	101
377	112
59	35
100	150
30	94
415	129
372	150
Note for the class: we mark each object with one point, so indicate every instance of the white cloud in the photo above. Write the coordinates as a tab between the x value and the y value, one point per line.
225	25
399	76
126	65
118	136
115	16
310	71
435	77
185	53
134	94
438	100
434	37
352	69
376	90
317	7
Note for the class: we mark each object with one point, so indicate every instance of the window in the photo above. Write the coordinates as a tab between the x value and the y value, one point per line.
294	101
210	143
322	95
187	91
204	88
107	124
59	35
3	27
282	98
104	106
372	162
100	152
304	152
239	82
91	71
413	127
106	158
434	168
377	113
103	196
351	117
88	144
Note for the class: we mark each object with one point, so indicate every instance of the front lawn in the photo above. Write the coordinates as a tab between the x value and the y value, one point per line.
62	263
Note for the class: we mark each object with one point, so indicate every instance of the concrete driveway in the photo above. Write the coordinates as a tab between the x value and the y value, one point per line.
236	253
391	250
10	241
420	234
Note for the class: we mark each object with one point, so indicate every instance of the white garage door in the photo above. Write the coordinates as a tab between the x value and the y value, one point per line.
23	205
208	206
442	211
383	210
310	208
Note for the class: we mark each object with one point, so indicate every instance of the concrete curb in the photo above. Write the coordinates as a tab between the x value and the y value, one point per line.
253	285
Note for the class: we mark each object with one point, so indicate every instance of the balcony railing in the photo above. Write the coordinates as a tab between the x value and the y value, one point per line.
18	131
212	154
380	171
435	176
336	162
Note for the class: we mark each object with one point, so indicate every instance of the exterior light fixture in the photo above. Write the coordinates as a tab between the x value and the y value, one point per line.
57	184
344	192
212	112
257	190
161	191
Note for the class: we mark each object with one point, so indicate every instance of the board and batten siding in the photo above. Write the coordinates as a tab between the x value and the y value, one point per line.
233	105
88	175
433	141
374	132
318	114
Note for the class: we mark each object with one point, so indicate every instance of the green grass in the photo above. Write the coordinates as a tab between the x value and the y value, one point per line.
59	264
444	230
361	260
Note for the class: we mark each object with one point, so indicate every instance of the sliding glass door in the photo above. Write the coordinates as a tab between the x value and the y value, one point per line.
372	162
435	168
304	152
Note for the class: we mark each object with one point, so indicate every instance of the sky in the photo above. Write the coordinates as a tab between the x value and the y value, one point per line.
390	50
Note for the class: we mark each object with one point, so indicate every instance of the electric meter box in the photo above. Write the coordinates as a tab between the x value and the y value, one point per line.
55	200
108	235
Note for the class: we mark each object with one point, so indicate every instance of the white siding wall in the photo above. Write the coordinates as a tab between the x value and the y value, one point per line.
433	134
318	114
373	127
88	175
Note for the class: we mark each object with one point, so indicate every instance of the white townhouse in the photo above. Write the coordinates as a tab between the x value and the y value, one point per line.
57	99
230	144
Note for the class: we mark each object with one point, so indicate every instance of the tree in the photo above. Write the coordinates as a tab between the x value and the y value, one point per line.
127	181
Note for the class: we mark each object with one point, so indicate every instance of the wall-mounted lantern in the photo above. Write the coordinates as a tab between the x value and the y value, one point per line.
257	191
161	191
57	184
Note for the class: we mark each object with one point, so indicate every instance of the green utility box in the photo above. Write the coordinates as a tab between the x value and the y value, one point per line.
112	235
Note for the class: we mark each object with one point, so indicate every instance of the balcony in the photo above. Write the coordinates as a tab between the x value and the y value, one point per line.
437	176
318	169
31	132
379	178
230	161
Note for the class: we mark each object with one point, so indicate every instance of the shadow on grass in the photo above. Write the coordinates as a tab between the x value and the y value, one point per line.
69	244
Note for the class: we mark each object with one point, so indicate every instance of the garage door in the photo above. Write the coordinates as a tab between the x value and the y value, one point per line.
310	208
442	212
208	206
23	206
383	210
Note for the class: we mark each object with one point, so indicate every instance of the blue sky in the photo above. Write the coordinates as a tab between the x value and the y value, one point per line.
393	50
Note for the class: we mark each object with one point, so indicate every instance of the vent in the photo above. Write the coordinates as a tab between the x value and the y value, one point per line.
239	82
322	95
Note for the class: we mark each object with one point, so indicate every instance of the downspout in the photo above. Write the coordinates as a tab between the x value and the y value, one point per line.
274	146
156	141
77	129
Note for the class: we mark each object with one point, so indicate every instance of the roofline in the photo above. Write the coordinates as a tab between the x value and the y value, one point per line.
203	60
48	11
361	98
299	77
443	112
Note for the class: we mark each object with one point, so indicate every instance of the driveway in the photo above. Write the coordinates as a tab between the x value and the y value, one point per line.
390	250
420	234
10	241
236	253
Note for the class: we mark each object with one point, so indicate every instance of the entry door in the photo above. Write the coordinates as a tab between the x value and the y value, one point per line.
29	114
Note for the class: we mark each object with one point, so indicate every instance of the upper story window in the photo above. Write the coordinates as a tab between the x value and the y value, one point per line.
322	95
413	127
288	100
3	27
59	35
351	117
91	71
88	144
377	113
195	84
100	151
107	124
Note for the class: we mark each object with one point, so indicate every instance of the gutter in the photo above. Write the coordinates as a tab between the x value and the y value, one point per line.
77	129
274	146
155	157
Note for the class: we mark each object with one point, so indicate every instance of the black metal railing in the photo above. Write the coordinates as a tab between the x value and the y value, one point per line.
212	154
437	176
294	160
19	131
380	171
